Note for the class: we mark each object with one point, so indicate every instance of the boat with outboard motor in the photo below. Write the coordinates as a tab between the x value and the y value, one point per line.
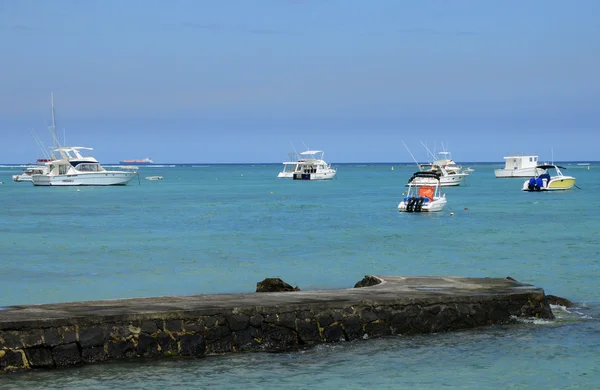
73	169
421	197
543	181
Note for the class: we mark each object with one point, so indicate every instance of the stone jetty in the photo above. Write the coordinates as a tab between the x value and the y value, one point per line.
71	334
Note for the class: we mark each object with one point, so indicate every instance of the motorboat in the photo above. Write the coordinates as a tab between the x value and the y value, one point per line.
309	165
71	168
518	166
29	172
444	159
446	178
421	197
153	177
289	167
543	181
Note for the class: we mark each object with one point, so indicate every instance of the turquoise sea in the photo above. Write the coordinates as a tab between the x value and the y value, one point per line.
222	228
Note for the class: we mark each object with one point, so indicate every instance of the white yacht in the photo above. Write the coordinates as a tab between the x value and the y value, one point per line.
308	166
519	165
446	178
73	169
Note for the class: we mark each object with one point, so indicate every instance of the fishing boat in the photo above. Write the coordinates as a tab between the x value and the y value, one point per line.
446	178
518	165
309	165
543	181
71	168
423	198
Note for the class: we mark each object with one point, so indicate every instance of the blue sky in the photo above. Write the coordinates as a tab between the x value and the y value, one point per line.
243	80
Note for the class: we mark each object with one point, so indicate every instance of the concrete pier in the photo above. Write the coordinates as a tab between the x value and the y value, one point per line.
71	334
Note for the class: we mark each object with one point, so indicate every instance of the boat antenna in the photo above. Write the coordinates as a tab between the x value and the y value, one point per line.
55	143
40	144
411	155
428	151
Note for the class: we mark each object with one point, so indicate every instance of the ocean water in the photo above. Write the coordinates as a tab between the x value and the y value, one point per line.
223	228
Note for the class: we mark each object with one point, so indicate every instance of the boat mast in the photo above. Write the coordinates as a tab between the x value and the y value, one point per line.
52	128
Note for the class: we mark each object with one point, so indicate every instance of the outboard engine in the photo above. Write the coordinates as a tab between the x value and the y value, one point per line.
410	205
539	183
419	203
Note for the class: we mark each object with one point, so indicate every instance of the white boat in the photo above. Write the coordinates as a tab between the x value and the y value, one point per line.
153	177
446	178
308	166
73	169
29	172
423	198
542	181
518	166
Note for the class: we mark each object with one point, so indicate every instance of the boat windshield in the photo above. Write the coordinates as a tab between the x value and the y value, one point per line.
88	167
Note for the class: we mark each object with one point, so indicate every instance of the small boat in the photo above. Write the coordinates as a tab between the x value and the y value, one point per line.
29	172
309	165
423	198
153	177
518	166
542	181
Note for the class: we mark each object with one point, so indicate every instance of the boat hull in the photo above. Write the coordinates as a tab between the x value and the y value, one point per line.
555	184
522	172
107	178
427	206
314	176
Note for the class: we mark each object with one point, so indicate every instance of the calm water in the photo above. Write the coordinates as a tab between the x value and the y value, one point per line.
221	229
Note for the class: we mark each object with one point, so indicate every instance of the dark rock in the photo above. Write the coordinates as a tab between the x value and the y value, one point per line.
52	337
276	338
174	326
121	349
367	281
554	300
10	359
66	355
246	340
193	326
93	355
32	338
274	285
333	333
308	332
192	345
39	357
91	337
377	329
12	339
509	278
149	327
352	328
147	346
167	344
221	345
238	322
69	334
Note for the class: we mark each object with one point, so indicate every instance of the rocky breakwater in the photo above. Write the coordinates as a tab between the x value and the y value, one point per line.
71	334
